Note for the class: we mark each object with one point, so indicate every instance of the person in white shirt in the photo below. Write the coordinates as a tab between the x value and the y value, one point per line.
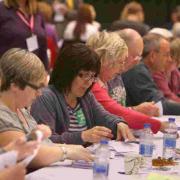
82	28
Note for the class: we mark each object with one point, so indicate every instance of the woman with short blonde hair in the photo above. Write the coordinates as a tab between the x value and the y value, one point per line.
111	49
108	46
113	52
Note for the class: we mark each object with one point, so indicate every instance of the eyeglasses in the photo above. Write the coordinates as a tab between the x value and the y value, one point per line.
88	77
137	58
33	86
164	54
132	58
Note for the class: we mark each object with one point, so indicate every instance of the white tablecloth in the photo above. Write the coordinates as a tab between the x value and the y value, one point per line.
60	171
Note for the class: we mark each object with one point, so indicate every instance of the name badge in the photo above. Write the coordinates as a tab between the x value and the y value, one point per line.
32	43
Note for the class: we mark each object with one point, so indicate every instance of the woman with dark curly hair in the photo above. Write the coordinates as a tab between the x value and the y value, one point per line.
68	106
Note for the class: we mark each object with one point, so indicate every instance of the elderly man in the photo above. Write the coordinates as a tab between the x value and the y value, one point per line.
138	81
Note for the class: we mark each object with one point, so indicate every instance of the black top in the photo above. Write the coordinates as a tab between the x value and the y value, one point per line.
140	86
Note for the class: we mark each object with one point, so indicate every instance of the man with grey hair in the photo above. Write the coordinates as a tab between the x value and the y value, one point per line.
138	81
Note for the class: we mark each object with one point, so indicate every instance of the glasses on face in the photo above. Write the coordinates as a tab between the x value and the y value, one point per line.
135	58
164	54
33	86
88	77
118	64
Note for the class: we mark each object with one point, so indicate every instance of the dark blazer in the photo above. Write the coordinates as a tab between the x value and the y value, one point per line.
140	87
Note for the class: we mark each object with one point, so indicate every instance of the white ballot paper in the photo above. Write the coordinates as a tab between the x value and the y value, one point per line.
8	159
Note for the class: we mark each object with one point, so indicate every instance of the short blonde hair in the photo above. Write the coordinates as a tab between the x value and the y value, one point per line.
175	50
20	66
31	5
109	46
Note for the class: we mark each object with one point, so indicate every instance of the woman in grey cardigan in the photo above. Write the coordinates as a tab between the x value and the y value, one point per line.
68	107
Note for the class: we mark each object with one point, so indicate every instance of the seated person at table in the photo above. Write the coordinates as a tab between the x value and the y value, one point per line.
134	43
138	81
68	106
113	52
20	150
17	171
22	77
168	80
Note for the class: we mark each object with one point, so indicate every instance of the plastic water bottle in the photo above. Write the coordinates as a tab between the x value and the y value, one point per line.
101	162
169	139
146	146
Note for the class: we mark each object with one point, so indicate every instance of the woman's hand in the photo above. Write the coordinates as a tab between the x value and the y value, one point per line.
17	172
45	130
77	152
123	132
147	108
23	148
164	125
95	134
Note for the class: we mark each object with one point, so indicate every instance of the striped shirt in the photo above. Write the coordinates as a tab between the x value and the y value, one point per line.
77	119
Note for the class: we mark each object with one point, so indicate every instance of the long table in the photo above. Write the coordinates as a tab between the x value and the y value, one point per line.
64	171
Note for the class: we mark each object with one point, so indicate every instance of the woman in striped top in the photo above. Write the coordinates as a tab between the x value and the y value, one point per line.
69	107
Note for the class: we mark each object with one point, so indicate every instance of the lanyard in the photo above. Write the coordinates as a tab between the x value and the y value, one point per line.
30	24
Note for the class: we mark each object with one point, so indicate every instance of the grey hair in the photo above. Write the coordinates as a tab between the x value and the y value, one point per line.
151	43
19	66
109	46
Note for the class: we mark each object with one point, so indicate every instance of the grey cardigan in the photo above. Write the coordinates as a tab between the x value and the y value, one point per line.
51	109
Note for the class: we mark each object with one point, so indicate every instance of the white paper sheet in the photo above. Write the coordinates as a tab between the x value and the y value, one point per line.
159	105
124	147
8	159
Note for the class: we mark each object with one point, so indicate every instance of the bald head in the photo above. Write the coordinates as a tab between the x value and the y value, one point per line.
130	36
134	42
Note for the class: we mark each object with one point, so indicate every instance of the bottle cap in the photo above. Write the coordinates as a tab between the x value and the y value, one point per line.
100	170
171	119
104	141
147	125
